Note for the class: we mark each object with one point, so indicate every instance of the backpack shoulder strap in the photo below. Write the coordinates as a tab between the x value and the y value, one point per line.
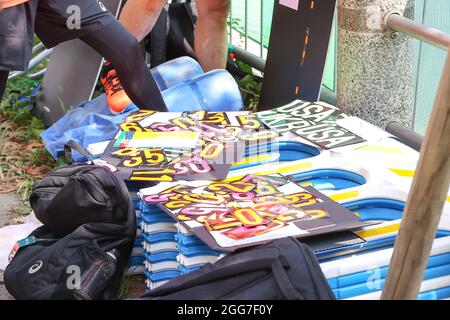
75	146
192	11
158	39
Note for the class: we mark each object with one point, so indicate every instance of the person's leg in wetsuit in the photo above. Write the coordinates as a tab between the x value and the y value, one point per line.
101	30
16	42
123	51
98	28
140	17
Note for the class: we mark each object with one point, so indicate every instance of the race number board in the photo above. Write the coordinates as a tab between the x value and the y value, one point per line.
165	146
317	122
228	215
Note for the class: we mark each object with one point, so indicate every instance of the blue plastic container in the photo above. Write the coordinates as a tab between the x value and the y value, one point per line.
175	71
215	90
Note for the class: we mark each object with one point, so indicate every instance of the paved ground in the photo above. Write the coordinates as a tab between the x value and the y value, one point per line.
7	201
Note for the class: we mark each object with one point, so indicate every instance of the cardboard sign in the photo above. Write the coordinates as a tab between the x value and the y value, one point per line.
314	121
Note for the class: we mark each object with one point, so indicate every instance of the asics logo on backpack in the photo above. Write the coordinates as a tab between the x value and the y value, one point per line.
35	267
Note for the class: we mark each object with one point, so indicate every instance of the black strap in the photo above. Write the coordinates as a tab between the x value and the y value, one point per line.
241	263
158	39
284	282
75	146
192	12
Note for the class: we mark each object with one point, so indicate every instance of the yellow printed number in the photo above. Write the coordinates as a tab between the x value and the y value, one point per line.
132	162
249	122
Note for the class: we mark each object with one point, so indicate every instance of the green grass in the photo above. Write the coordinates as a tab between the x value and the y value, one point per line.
23	158
250	90
250	87
124	287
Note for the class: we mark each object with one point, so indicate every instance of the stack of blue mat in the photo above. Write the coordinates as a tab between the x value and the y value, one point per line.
159	245
170	250
193	253
136	261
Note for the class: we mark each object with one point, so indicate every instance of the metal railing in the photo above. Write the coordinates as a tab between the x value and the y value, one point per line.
239	33
418	31
432	36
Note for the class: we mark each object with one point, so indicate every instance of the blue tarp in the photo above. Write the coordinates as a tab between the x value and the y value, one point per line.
89	122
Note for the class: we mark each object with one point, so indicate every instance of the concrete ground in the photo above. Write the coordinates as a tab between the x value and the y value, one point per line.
7	201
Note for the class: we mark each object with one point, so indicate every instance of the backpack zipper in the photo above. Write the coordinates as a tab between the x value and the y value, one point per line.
125	197
98	185
48	190
66	174
92	185
46	240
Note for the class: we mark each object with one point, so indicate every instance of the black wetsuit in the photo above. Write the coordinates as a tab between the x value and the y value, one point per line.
54	21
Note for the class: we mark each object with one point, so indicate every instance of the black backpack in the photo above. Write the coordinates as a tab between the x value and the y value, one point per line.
87	214
76	194
172	35
281	269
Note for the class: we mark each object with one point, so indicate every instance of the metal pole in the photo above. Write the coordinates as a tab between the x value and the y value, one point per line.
406	136
261	29
416	30
375	64
425	202
250	58
246	25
